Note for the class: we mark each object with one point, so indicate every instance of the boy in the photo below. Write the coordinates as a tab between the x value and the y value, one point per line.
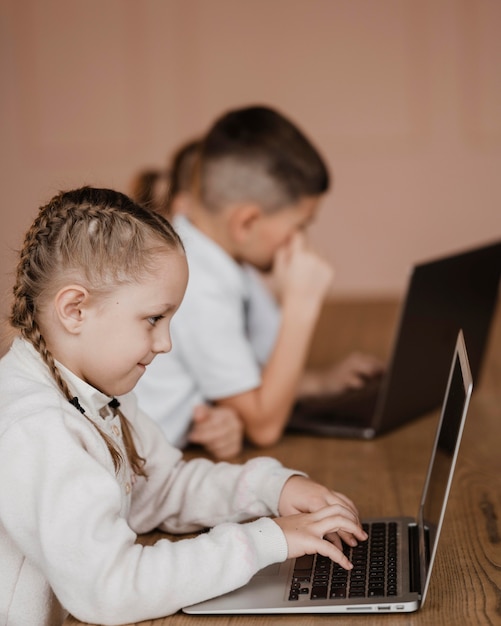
257	187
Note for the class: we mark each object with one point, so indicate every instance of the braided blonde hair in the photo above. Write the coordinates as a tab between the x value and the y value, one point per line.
101	238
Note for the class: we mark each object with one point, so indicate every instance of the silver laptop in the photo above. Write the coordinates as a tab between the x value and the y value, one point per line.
456	291
392	569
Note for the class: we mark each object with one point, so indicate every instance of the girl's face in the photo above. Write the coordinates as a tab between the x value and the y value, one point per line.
126	329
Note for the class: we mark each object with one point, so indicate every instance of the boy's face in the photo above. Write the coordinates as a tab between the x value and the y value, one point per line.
274	230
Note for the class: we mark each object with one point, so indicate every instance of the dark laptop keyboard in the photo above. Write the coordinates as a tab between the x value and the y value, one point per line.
374	572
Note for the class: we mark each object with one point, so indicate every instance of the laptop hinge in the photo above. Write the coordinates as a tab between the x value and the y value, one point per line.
414	562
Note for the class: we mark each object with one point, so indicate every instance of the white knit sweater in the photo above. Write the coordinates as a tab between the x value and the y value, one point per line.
68	523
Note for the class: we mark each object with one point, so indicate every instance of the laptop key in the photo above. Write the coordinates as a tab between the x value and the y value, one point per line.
338	592
319	593
376	591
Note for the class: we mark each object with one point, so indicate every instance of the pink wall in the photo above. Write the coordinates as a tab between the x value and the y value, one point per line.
402	96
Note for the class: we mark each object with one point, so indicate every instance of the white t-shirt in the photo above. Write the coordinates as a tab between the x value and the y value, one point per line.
263	316
221	335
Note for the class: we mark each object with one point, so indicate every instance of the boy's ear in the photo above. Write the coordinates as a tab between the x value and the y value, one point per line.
70	303
243	219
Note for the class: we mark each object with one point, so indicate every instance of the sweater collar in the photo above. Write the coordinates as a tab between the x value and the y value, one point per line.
86	399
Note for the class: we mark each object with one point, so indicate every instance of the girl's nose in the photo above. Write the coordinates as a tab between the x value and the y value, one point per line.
162	341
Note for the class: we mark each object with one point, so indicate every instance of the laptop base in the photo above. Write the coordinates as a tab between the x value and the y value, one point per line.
268	590
349	414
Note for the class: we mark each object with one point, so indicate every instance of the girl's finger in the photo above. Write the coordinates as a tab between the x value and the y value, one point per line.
328	549
339	511
345	499
339	524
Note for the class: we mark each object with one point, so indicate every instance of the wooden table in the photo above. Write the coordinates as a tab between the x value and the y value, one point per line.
385	476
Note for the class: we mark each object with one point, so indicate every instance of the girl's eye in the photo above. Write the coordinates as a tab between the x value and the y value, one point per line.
154	319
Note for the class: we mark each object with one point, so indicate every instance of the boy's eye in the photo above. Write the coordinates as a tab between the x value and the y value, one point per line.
154	319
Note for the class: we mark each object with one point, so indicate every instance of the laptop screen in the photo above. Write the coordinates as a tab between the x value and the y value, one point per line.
445	451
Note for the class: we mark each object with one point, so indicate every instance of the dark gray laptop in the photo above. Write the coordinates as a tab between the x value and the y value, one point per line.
459	291
392	569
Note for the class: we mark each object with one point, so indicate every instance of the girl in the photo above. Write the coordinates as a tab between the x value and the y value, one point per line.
82	470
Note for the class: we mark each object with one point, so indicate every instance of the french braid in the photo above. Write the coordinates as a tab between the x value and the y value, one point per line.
100	237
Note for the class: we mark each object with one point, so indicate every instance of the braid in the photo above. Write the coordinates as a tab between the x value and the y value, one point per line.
100	237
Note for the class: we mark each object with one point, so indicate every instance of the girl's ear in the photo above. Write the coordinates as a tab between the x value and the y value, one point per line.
70	303
242	220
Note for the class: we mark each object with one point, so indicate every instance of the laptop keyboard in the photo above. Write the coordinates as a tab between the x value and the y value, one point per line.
374	572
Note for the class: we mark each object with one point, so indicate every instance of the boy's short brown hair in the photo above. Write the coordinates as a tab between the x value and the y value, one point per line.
255	154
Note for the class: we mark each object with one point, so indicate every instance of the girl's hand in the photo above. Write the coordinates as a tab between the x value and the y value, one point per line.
319	532
303	495
218	429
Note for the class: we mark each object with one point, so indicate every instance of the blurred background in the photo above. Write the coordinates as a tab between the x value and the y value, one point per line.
403	98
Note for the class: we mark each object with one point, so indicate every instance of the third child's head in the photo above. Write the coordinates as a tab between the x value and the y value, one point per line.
169	191
260	178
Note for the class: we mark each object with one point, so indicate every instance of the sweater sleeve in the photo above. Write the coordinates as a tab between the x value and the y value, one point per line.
181	497
63	509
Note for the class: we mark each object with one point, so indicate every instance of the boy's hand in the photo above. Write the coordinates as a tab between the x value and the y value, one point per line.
351	373
218	429
300	273
303	495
